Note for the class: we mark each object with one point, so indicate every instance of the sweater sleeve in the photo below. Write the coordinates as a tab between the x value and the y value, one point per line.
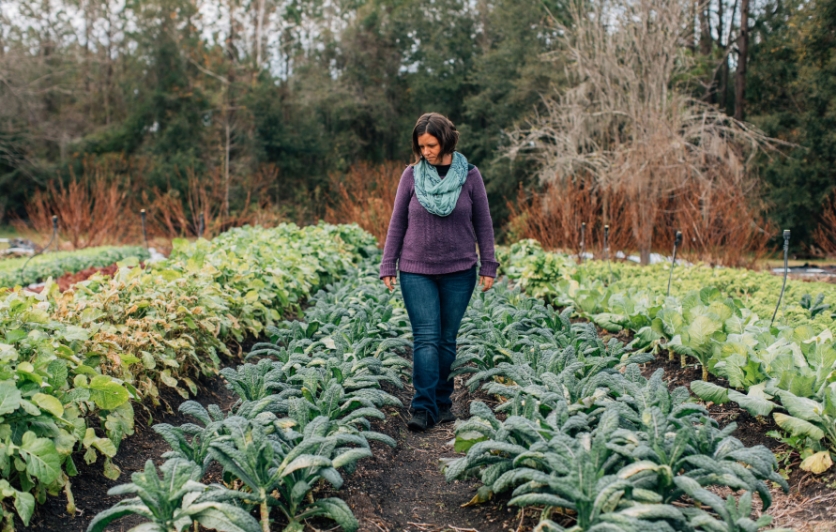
397	227
483	225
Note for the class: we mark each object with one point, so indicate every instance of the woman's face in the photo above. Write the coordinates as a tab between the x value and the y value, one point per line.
430	148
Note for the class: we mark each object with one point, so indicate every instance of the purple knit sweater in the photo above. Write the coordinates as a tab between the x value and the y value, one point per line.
420	242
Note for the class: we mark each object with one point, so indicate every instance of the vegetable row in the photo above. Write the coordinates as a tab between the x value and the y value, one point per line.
583	436
302	416
41	267
580	433
72	364
786	368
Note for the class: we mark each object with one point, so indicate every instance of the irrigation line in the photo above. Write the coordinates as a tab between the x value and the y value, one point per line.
677	241
583	241
786	271
144	230
607	249
52	238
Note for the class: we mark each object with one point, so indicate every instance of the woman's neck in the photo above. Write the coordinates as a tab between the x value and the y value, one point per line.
446	160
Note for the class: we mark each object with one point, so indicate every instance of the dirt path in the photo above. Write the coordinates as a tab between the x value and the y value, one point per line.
396	490
403	489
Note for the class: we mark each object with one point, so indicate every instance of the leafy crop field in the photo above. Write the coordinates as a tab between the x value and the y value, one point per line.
584	436
41	267
568	430
580	432
72	365
720	319
303	415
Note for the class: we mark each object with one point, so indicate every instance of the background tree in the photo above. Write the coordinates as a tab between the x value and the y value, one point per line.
226	91
791	93
626	124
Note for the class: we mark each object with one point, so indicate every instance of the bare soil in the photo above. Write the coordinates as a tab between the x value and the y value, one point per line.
403	489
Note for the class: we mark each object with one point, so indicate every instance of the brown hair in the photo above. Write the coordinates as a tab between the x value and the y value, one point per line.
440	127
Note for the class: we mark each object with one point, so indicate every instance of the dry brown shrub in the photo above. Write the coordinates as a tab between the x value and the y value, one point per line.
103	204
554	217
365	195
825	233
720	225
91	209
628	121
172	217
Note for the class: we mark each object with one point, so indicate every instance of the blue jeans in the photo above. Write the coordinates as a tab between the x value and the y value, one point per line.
436	306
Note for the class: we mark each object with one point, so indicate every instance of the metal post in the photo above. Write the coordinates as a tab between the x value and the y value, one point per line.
607	249
583	241
677	241
201	227
144	230
786	270
606	242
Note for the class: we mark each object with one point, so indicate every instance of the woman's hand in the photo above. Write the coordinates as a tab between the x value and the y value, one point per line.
389	282
485	282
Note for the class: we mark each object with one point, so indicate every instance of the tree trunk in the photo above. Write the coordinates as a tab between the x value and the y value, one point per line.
692	37
723	67
724	71
108	63
645	255
226	167
743	50
706	46
705	30
88	22
259	33
229	111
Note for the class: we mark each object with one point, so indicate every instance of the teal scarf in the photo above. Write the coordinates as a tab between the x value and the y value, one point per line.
439	196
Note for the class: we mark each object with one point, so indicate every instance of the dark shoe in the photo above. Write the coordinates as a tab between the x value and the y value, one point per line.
420	421
445	415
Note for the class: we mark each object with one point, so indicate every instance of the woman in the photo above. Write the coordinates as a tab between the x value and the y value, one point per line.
441	212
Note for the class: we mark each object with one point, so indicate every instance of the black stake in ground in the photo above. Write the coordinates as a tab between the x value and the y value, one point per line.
144	230
583	242
786	270
607	249
51	239
677	241
201	226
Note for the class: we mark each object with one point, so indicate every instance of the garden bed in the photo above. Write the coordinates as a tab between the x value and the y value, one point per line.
810	505
404	488
90	486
